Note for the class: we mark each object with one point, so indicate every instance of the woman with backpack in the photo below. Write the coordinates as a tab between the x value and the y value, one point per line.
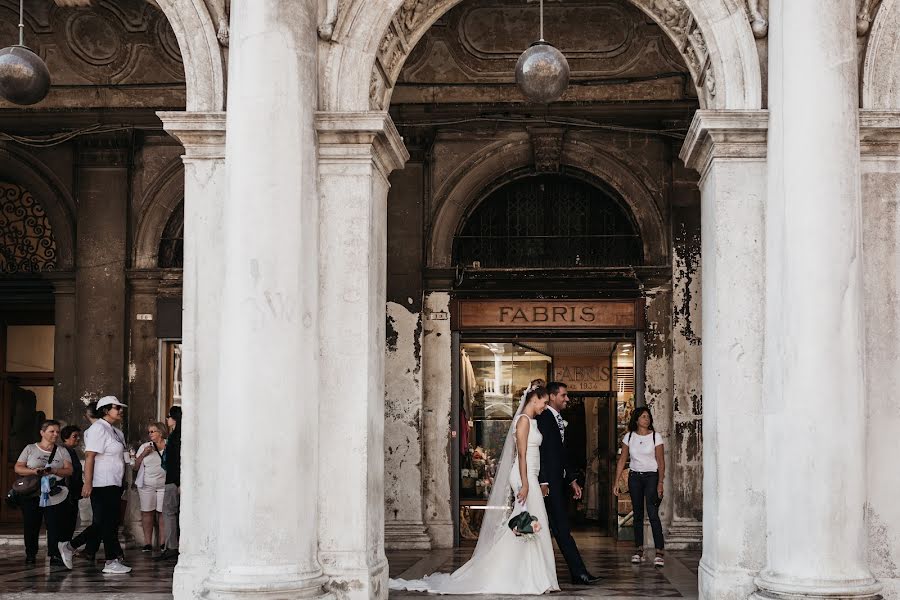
644	447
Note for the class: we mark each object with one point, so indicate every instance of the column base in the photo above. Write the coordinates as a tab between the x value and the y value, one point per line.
441	534
866	589
349	578
241	583
406	535
724	584
189	577
684	535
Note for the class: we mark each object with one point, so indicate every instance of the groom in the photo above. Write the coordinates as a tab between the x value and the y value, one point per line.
555	476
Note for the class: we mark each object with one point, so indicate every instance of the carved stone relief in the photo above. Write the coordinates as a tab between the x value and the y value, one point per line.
865	15
546	144
219	11
111	42
480	46
758	22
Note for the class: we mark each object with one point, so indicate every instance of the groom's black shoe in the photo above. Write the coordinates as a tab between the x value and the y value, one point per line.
585	579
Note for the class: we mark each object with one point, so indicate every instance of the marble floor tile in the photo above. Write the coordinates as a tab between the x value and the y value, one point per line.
153	581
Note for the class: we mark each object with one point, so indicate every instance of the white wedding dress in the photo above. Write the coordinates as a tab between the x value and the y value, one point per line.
510	564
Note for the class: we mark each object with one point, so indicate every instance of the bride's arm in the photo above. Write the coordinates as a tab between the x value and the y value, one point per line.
523	428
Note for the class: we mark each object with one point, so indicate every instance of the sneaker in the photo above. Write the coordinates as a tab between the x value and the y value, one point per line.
115	567
659	562
147	548
30	560
66	552
55	561
637	559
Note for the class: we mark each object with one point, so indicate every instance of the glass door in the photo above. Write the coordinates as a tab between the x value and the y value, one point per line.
492	378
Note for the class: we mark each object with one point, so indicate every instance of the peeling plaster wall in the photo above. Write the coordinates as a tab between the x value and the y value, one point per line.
659	384
436	360
687	406
403	501
881	264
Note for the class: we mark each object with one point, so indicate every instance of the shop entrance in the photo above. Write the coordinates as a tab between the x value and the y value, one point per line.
493	369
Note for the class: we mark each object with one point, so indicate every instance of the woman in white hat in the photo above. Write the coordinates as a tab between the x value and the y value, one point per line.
44	459
104	472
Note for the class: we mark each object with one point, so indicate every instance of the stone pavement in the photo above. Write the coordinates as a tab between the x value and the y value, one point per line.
153	581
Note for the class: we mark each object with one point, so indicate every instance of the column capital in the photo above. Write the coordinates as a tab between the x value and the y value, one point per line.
201	133
734	134
63	282
354	137
879	133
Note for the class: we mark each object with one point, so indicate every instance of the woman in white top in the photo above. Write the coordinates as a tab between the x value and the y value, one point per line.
645	480
36	460
104	473
151	482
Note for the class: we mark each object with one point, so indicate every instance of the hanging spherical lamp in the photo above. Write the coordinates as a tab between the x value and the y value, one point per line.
24	77
542	71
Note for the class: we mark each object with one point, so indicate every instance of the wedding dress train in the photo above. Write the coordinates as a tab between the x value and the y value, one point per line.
507	564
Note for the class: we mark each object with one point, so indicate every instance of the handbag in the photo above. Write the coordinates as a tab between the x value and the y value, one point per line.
28	486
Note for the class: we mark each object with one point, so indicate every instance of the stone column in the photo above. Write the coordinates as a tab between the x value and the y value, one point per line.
268	394
66	406
102	167
404	523
880	150
728	149
685	528
203	138
143	351
437	386
815	393
357	152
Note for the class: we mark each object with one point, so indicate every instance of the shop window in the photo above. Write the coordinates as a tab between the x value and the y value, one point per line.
548	221
26	237
171	244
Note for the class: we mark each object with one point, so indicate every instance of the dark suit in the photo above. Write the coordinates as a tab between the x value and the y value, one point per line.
557	474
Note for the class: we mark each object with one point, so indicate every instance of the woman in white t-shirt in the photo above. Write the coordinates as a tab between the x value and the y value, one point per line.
644	447
151	482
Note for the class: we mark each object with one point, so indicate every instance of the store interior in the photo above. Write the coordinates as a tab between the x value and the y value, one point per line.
493	376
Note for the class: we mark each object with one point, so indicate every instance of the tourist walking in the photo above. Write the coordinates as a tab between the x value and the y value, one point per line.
151	483
644	448
71	437
104	473
51	464
172	497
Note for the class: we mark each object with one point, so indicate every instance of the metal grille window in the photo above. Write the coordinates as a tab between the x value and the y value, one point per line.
171	245
26	237
548	221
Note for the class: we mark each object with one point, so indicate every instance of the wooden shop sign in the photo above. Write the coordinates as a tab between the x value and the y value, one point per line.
547	314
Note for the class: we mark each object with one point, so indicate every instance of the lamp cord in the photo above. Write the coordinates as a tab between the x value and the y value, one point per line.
21	22
542	20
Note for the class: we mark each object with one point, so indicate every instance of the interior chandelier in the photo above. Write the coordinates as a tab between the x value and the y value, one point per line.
24	77
542	71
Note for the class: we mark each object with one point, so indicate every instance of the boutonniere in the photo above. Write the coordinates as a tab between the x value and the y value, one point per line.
565	423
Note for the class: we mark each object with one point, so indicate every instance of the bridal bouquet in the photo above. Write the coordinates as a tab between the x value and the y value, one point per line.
525	525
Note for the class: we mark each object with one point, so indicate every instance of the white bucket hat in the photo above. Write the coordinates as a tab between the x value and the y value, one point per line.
109	401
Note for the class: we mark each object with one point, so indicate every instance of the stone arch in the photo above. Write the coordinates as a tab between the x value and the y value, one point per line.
372	40
881	68
204	61
28	172
163	197
466	186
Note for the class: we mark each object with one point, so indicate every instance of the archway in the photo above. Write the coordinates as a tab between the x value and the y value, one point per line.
371	41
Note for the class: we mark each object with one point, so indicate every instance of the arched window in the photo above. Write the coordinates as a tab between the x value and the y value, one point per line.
548	221
26	237
171	244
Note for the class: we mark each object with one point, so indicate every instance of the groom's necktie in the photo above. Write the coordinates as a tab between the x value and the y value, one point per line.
562	428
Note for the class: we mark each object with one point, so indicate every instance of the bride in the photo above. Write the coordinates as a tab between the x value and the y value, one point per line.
505	562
